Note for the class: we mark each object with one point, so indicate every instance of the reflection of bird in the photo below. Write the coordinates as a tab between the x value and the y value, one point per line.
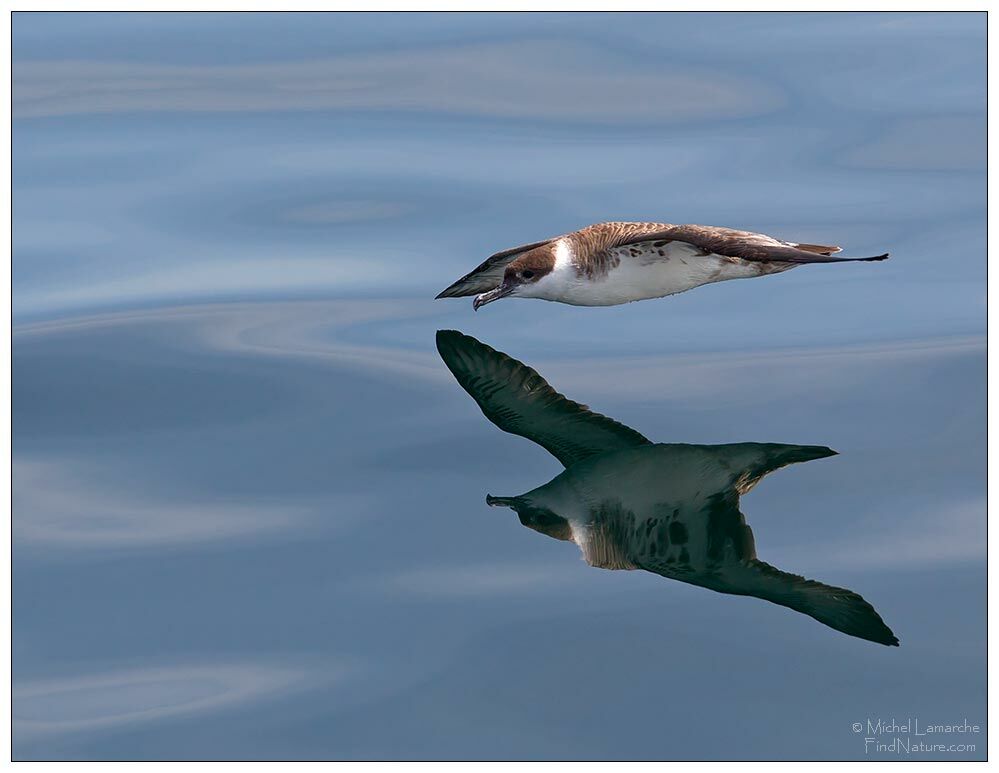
671	509
611	263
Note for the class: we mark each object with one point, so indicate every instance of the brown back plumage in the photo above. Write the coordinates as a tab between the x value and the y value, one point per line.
729	242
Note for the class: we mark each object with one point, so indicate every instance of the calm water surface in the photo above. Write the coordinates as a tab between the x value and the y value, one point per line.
249	496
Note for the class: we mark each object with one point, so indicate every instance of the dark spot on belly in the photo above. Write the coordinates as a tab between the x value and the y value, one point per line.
600	265
677	533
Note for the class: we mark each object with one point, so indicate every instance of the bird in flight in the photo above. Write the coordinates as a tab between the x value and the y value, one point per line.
670	509
611	263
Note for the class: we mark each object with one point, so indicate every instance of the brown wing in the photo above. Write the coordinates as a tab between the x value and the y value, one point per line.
741	244
821	249
489	274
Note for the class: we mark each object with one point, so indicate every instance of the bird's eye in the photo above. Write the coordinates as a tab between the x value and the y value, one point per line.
527	274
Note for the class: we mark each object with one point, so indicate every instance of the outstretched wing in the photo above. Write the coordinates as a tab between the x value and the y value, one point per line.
489	274
518	400
729	565
838	608
741	244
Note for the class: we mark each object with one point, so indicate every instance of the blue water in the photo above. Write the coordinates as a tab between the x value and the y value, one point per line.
249	498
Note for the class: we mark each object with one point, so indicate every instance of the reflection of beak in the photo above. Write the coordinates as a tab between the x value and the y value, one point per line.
493	295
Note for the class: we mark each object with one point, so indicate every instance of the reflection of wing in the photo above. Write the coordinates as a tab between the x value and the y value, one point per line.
742	244
729	565
518	400
489	274
838	608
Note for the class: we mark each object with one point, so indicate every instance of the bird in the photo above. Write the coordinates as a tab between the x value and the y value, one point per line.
618	262
671	509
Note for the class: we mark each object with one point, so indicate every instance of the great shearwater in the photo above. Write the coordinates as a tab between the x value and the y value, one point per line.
628	503
611	263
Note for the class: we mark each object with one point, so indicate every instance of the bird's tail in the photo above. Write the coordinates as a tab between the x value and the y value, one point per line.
819	258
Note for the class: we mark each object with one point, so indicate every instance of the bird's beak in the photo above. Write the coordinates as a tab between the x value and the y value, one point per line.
493	295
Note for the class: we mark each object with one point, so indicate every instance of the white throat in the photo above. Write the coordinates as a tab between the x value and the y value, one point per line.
563	257
558	283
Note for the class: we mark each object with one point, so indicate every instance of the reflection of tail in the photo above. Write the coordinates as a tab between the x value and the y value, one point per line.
838	608
781	455
754	460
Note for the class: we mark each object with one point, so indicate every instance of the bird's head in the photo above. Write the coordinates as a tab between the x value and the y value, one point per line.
523	277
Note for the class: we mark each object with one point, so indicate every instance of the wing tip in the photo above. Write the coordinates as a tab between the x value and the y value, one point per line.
449	338
873	628
883	636
460	289
460	352
451	291
867	624
818	249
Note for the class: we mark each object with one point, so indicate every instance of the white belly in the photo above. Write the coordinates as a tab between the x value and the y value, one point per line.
642	272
